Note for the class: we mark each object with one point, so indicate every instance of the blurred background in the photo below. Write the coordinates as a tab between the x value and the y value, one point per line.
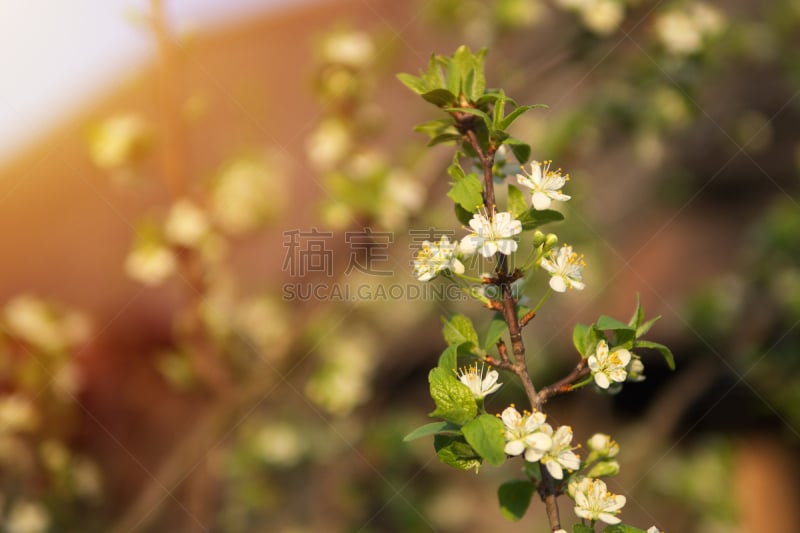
208	212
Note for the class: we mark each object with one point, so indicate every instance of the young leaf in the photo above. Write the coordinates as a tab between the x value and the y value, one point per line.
499	109
622	528
449	358
532	219
644	328
434	428
665	352
580	338
486	436
495	330
516	202
515	498
467	192
439	97
521	150
514	115
414	83
458	330
462	215
444	138
454	451
638	315
608	323
454	401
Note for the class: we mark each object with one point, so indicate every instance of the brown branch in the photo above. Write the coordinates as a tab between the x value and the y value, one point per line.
549	494
564	385
169	95
548	490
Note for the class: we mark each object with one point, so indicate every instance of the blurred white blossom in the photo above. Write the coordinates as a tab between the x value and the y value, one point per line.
150	263
118	140
281	444
246	193
186	224
329	144
27	517
683	31
17	414
353	49
45	326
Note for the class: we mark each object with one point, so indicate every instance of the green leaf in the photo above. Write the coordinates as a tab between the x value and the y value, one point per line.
458	330
433	428
495	331
514	115
638	315
449	358
454	451
608	323
440	97
516	202
580	338
454	170
433	77
624	338
622	528
489	98
521	150
467	192
414	83
515	498
463	215
454	401
532	219
533	471
644	328
486	435
434	127
444	138
580	528
479	78
499	108
665	352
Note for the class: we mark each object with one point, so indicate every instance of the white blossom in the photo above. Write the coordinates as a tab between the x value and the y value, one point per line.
653	529
526	433
545	184
608	366
479	384
435	258
594	502
565	268
560	456
492	235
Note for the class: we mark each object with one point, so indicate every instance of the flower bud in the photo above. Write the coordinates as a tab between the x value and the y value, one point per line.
538	238
604	468
550	241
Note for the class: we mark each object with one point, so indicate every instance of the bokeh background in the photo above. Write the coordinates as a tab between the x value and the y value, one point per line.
162	160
